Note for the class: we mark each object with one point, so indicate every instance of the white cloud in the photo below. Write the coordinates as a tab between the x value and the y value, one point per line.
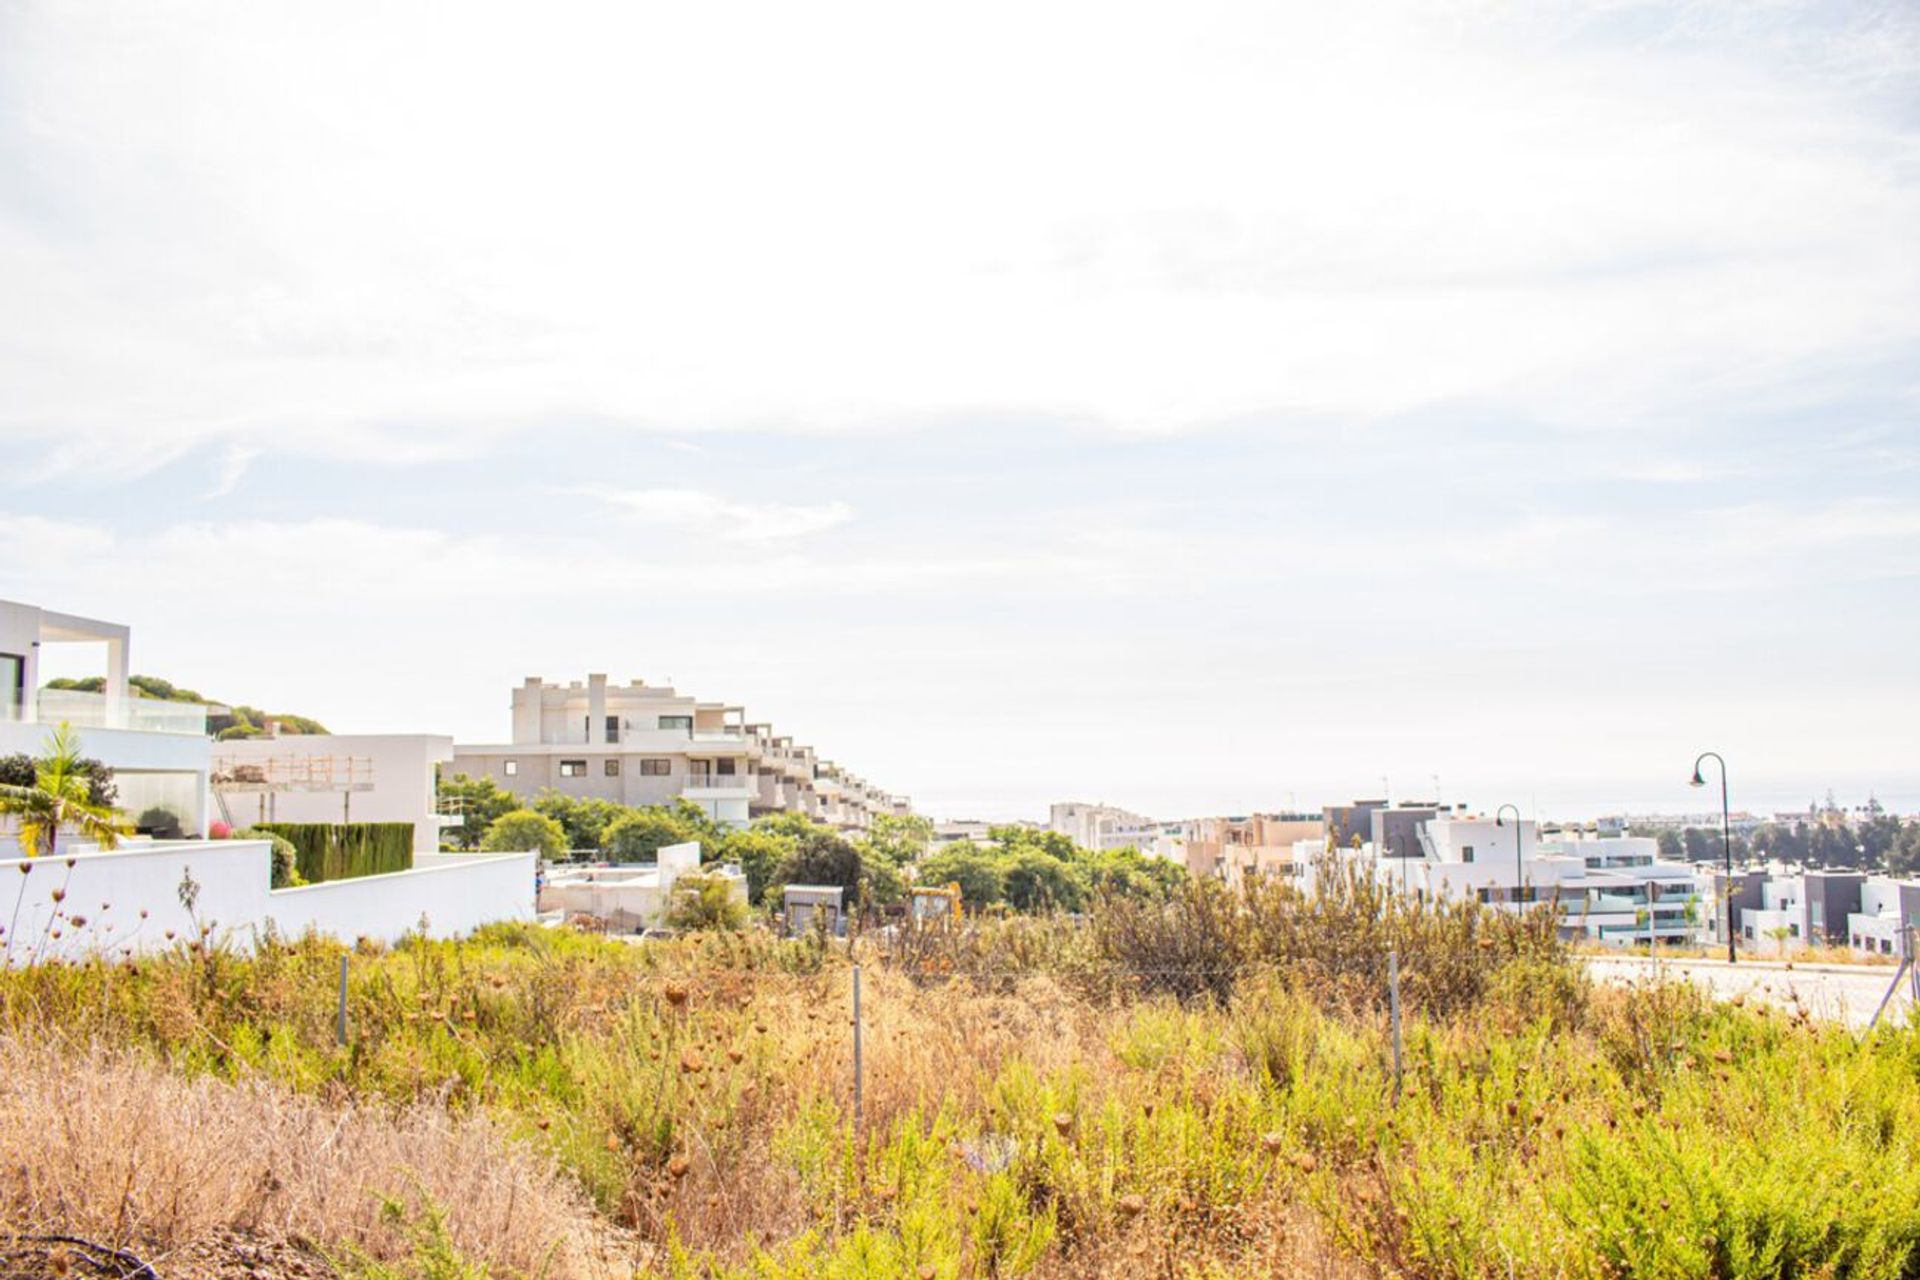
698	512
1155	218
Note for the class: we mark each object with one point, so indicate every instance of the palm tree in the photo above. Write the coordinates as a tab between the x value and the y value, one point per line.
59	797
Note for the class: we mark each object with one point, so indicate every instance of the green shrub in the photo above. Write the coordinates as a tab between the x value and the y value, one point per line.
523	830
326	851
286	859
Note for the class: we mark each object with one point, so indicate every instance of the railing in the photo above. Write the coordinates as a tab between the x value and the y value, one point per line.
98	711
293	773
720	782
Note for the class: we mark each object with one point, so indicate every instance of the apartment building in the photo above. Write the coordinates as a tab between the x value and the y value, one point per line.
158	751
1235	849
1780	909
641	744
1105	827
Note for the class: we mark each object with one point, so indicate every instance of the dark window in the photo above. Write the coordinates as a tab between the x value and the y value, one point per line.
724	766
655	767
613	768
677	722
613	729
13	685
1466	853
573	768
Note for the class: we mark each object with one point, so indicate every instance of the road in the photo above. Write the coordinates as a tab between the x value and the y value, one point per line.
1846	993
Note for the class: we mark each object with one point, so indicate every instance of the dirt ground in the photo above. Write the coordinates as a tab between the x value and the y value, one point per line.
223	1256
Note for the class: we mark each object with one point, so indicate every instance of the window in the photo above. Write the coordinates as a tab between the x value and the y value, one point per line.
677	722
1466	853
510	768
724	766
613	768
656	767
613	730
573	768
13	685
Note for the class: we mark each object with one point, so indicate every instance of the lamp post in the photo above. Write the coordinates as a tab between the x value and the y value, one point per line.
1726	833
1401	839
1500	820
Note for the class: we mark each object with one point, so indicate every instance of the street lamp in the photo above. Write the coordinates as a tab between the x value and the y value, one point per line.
1726	833
1500	820
1400	838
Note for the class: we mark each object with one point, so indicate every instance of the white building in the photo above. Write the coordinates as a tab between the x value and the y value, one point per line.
363	777
641	744
1105	827
1608	889
158	751
633	897
1889	908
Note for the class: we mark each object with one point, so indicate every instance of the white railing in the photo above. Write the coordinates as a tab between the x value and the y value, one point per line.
98	711
720	782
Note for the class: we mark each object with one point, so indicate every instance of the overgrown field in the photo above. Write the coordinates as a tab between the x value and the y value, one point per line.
1203	1090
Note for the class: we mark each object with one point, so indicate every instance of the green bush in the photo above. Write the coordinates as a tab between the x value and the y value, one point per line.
286	859
523	830
326	851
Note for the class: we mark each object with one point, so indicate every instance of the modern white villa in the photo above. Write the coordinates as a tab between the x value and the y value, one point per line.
152	892
159	752
641	744
1611	889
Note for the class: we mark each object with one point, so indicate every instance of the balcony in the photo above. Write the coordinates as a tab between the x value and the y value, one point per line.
98	711
720	784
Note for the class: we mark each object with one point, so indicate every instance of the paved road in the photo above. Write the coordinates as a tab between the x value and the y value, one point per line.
1847	993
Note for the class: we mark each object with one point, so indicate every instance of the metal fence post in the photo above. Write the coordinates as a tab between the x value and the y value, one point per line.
857	1064
340	1020
1393	1006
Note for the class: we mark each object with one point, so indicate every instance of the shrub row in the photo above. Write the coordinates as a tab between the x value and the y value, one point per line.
341	851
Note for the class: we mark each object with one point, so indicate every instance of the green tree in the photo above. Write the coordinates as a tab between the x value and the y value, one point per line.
757	852
1132	874
638	835
977	871
585	820
705	902
480	801
898	839
1039	881
825	857
522	830
60	796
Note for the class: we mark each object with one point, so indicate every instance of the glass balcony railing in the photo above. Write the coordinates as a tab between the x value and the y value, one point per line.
98	711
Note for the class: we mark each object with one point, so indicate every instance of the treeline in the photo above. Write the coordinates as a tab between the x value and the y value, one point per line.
1881	843
1018	869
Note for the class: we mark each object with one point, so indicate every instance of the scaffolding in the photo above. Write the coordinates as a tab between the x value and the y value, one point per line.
274	776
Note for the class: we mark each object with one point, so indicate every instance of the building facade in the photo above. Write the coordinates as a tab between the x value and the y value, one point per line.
641	744
339	777
158	751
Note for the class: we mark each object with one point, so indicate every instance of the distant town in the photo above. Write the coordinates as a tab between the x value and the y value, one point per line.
615	800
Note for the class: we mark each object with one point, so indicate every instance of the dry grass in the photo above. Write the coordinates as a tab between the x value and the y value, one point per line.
125	1152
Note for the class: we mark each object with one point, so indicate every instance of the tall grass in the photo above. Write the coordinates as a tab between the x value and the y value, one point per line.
1037	1103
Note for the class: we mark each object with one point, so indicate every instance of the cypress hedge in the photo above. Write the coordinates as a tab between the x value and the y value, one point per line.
340	851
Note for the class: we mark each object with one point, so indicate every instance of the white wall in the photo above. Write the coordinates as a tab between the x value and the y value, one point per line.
109	891
449	896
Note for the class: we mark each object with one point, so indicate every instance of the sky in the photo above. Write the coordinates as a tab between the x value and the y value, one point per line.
1202	407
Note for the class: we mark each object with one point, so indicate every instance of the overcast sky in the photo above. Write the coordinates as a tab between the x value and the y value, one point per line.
1197	406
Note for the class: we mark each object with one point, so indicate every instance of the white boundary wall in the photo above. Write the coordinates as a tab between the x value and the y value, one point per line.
109	892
